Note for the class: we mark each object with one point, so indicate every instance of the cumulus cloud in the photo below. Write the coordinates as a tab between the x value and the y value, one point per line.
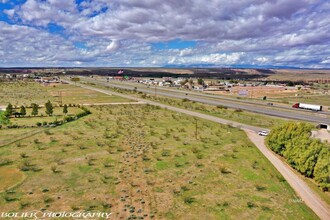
122	32
113	46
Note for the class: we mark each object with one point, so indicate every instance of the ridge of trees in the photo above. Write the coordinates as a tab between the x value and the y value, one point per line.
307	155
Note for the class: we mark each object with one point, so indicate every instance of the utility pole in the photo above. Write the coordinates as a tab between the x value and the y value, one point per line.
156	90
196	131
60	98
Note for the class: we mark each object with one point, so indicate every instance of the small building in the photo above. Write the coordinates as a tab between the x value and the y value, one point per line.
323	126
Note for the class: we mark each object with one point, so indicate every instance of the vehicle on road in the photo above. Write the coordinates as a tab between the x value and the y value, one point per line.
270	103
263	133
308	106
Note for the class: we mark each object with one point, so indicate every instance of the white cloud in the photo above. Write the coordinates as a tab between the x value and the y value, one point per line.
113	46
121	32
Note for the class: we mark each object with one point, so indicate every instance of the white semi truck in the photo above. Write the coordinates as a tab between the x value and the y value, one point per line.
308	106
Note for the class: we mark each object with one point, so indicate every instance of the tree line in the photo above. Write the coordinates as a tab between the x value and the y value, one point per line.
49	109
307	155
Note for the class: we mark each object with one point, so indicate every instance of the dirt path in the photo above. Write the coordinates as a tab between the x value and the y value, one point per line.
299	186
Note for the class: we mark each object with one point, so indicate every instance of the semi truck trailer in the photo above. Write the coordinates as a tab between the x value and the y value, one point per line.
308	106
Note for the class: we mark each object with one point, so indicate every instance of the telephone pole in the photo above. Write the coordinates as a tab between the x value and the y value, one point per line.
196	131
60	97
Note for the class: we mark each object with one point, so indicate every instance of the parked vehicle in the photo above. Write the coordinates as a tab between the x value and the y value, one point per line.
263	133
270	103
308	106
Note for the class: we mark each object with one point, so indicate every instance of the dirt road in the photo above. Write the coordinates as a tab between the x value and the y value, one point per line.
311	199
299	186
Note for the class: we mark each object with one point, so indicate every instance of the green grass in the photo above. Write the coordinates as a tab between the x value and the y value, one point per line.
8	135
150	155
25	93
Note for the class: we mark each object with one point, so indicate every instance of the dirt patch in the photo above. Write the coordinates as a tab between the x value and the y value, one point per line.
10	177
321	134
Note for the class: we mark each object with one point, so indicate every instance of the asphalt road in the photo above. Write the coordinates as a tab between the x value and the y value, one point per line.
296	115
307	195
262	104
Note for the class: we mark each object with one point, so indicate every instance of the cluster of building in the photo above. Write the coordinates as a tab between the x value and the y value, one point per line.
47	80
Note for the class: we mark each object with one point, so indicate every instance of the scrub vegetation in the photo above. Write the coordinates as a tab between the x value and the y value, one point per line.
146	162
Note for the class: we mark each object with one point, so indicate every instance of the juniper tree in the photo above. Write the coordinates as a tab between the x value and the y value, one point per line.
49	108
65	109
35	108
23	111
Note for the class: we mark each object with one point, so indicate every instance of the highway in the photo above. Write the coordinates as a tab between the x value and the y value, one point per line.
214	97
311	199
266	110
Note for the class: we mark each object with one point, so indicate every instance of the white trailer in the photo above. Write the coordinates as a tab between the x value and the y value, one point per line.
308	106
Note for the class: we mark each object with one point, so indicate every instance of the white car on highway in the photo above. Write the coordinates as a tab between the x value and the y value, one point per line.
263	133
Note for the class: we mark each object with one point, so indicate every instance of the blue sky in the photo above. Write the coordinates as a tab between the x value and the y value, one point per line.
148	33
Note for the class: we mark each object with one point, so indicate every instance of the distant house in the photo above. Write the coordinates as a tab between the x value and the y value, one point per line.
199	88
216	88
118	78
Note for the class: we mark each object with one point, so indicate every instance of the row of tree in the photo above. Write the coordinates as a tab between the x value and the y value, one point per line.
309	156
10	110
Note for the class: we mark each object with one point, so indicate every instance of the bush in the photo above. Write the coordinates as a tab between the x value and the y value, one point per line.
250	204
4	162
222	107
189	200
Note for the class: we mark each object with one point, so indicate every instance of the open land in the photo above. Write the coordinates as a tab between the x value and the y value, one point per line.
25	93
145	161
141	161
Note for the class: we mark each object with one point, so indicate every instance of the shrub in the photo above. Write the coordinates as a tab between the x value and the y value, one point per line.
224	170
4	162
250	204
189	200
54	169
222	107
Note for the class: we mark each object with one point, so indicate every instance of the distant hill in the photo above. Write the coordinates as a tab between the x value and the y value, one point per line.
200	72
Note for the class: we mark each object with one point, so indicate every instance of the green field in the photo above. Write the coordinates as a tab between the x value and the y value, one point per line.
25	93
146	161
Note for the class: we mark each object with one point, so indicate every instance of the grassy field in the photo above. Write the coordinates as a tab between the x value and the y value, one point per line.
25	93
146	161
